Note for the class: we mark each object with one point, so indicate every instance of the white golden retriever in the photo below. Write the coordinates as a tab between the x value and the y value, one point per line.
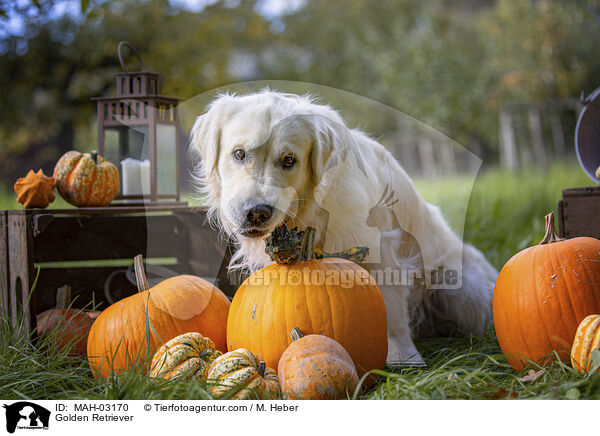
271	157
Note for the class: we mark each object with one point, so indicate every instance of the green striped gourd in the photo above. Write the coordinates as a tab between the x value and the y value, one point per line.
187	356
242	375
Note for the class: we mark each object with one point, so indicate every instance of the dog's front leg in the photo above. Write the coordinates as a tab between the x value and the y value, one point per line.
401	349
398	253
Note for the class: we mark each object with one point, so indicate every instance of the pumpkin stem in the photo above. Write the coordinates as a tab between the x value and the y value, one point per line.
307	247
95	156
261	368
63	297
140	273
296	334
551	235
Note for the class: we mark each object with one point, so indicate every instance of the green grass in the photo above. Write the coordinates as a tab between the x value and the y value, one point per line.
505	214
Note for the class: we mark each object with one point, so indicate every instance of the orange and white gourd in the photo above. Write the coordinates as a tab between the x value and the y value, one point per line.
587	339
86	179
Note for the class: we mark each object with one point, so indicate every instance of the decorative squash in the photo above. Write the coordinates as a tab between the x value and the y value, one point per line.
316	367
331	297
70	326
241	375
129	331
86	179
543	293
186	356
587	339
35	190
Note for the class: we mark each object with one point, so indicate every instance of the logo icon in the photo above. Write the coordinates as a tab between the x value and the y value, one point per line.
26	415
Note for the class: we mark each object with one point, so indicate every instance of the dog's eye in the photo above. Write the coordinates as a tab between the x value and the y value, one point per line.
239	154
288	161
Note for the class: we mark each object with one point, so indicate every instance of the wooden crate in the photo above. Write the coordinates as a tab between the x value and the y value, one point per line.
89	249
579	212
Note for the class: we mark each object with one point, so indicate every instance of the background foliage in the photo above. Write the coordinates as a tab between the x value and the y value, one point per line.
451	64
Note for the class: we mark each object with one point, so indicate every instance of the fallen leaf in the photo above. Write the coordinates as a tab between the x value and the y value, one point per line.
502	393
532	375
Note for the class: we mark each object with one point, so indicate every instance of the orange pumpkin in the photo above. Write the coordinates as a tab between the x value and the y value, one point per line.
316	367
332	297
587	339
118	339
35	189
86	179
70	326
542	294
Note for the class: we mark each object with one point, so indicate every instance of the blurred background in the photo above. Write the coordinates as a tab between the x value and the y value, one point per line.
502	78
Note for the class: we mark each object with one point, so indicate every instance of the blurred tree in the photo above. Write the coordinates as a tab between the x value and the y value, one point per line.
451	64
49	73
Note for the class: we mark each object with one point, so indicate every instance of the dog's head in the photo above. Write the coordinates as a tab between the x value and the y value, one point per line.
263	155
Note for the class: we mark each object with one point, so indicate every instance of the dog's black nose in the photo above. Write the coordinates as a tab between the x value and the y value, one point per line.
258	214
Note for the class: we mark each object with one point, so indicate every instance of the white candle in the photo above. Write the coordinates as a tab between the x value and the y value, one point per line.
136	177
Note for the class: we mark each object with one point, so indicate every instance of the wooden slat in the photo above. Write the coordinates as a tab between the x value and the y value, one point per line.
580	216
88	284
108	210
68	238
587	191
4	279
20	265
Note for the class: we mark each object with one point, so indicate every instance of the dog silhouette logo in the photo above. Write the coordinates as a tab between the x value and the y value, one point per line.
26	415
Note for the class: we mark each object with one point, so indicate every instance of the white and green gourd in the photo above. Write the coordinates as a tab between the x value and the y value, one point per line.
242	375
187	356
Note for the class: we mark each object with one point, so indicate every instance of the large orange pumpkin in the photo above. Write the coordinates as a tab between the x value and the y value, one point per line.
542	294
332	297
86	179
118	339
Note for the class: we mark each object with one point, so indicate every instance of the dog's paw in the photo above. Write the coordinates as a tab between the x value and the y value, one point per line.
403	356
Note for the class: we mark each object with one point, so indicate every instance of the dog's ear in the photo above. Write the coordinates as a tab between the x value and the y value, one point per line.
206	132
332	145
205	138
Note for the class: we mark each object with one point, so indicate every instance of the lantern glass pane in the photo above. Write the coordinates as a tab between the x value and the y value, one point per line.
166	159
129	144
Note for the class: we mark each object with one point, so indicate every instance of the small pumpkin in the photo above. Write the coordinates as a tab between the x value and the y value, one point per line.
316	367
242	375
542	294
587	339
70	326
118	339
333	297
86	179
35	190
187	356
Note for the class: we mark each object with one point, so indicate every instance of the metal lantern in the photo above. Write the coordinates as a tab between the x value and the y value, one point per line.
587	135
138	131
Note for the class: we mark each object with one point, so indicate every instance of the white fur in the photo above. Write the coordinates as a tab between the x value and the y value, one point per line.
338	186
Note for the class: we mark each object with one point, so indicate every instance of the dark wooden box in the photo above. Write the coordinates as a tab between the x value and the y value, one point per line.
579	212
90	249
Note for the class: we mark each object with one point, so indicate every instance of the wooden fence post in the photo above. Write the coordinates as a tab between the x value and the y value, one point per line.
4	279
427	157
20	265
537	136
507	141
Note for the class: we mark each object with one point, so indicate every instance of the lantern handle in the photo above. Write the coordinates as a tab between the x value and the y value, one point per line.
132	48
